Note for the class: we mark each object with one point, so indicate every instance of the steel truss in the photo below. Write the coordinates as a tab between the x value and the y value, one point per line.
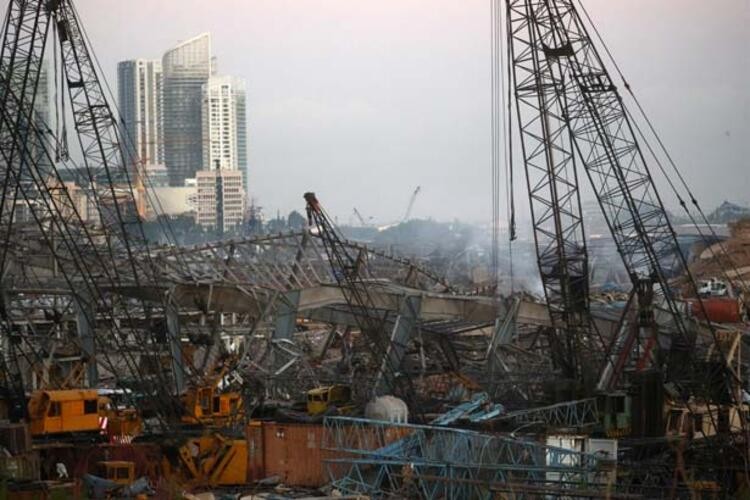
598	127
552	182
285	261
383	459
90	266
570	414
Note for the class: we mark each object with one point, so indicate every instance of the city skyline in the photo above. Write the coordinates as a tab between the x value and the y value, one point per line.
180	120
403	97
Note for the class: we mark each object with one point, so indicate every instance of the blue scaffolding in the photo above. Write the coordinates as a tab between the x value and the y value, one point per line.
382	459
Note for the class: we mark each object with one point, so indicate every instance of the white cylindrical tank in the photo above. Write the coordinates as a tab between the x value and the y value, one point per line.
387	409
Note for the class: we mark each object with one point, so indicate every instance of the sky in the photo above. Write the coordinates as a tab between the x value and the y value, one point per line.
362	101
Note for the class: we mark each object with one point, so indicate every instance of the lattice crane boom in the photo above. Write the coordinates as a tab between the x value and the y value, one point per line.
84	261
553	188
350	272
410	207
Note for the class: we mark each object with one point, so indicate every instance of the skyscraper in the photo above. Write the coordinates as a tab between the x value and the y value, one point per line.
187	67
224	125
140	96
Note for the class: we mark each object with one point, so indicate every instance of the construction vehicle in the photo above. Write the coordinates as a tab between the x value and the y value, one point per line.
120	472
211	460
90	268
322	399
712	287
348	269
121	423
573	121
360	218
410	206
204	403
207	406
54	412
59	412
116	479
702	421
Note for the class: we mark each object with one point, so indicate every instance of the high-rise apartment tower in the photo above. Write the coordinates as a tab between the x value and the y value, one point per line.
140	99
224	125
187	67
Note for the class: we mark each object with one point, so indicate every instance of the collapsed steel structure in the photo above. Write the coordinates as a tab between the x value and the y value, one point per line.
95	305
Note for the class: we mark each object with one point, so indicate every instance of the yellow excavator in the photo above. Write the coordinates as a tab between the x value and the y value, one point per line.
321	399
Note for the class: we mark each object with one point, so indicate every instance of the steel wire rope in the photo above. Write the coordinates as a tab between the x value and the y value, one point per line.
738	403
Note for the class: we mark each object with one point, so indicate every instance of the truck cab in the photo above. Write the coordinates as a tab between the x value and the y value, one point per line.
320	399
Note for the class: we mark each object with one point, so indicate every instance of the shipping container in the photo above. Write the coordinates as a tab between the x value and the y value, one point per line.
717	309
24	467
292	451
295	452
15	437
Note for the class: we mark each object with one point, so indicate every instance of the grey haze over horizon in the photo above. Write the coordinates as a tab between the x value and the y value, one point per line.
363	101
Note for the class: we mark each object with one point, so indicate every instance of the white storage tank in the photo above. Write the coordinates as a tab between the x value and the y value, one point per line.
387	409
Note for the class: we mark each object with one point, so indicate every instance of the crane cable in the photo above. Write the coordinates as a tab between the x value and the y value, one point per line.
683	204
61	131
501	139
672	164
495	136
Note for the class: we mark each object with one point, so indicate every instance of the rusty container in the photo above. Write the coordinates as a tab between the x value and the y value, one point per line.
255	460
15	437
291	451
717	309
25	467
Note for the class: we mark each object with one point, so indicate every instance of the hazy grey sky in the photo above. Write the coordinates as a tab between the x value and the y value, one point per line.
361	101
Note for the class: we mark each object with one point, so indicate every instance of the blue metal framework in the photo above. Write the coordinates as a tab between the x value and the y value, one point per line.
570	414
385	459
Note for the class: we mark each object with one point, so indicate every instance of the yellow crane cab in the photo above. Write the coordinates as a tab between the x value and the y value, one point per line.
322	398
205	405
63	411
54	412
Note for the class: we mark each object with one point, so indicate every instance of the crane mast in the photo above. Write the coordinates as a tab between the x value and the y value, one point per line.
350	272
552	183
86	262
581	116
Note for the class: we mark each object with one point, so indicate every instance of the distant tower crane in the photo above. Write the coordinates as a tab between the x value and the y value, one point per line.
361	219
410	207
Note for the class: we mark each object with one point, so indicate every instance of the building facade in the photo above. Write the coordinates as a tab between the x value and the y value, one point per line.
220	199
187	67
225	125
171	201
140	99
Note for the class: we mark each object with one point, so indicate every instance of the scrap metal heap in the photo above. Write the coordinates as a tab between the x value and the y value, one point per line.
187	352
